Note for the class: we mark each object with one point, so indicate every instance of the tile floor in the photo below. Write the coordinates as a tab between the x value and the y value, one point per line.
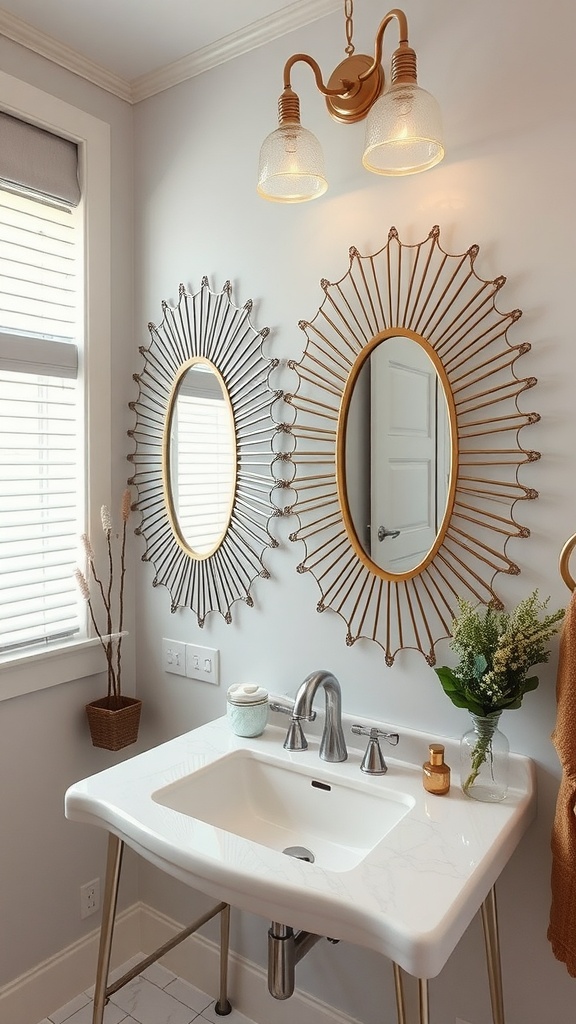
157	996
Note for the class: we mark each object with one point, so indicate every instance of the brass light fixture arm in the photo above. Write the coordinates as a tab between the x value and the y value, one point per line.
404	58
348	86
305	59
357	82
291	167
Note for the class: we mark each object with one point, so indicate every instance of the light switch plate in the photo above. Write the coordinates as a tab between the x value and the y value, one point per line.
174	657
203	663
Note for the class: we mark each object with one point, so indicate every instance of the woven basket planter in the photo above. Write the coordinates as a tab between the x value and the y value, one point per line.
114	722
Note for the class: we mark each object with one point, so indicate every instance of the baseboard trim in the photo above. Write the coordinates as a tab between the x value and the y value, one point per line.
57	980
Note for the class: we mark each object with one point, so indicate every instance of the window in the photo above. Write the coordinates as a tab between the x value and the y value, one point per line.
41	464
43	370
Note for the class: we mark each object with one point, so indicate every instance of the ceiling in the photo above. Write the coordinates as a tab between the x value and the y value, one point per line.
135	48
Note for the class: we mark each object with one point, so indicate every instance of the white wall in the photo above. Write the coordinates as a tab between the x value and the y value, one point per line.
502	74
44	740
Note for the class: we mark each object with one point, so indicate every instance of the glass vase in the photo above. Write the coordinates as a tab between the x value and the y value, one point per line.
484	751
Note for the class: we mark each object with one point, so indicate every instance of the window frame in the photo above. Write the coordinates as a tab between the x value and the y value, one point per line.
77	658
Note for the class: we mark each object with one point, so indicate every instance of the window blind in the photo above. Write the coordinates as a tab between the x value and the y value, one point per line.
39	422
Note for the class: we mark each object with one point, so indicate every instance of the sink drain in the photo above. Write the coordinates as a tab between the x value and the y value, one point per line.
300	852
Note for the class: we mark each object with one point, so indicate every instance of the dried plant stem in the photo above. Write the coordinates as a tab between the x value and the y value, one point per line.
113	660
106	601
106	644
112	680
121	600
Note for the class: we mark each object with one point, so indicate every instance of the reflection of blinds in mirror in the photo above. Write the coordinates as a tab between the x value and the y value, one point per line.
203	460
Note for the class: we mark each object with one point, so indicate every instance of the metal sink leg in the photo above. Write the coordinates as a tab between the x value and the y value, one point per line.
492	943
223	1007
113	866
399	989
102	990
493	963
423	1002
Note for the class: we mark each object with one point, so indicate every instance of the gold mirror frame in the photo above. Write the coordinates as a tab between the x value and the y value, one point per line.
207	326
341	459
424	292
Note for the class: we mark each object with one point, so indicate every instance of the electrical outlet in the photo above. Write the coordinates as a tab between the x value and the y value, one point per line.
174	657
90	898
203	663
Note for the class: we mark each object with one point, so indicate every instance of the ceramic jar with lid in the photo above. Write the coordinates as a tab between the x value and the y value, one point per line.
247	709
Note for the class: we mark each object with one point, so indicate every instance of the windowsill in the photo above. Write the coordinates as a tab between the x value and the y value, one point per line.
26	673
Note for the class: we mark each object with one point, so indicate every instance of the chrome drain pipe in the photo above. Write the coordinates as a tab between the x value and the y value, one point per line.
285	950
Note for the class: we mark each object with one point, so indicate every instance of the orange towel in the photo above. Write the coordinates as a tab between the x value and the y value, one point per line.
562	927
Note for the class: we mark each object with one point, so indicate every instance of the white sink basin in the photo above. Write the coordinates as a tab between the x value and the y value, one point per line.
281	805
396	869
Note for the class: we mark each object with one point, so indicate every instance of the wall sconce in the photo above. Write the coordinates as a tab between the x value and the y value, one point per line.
403	126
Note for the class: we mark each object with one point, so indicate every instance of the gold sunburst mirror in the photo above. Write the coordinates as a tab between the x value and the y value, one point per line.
406	443
203	460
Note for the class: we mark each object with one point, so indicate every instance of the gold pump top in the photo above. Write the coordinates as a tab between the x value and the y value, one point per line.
436	753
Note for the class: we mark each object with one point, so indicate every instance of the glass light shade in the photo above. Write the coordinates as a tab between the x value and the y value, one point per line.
403	131
291	166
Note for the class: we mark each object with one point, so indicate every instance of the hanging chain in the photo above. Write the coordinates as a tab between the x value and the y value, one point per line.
349	15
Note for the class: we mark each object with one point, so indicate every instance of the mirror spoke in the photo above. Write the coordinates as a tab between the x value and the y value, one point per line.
203	459
409	336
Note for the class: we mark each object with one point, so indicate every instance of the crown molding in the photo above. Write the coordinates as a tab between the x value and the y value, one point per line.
295	16
46	46
266	30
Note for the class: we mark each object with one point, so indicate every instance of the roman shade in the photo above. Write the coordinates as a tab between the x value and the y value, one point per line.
37	161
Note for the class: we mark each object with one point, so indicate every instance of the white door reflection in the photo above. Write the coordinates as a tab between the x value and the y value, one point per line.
398	455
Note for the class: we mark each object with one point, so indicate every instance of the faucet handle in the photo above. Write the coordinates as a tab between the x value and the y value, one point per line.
295	738
288	709
373	762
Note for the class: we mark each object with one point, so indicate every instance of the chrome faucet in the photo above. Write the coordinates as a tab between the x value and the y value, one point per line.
333	744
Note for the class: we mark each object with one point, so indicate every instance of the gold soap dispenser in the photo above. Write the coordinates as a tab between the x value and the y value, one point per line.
435	772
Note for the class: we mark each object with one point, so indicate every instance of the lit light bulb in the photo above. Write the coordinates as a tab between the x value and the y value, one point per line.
403	132
291	165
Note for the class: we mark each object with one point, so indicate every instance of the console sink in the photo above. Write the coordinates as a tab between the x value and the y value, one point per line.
284	806
396	869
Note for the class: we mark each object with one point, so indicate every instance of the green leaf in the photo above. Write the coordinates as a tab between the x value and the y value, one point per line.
450	682
453	689
510	705
476	709
531	684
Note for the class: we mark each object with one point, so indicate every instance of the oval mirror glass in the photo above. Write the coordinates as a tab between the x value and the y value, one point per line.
199	458
397	455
